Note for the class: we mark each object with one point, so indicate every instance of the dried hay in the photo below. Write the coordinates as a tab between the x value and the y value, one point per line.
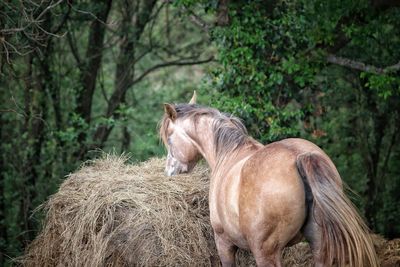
113	214
388	251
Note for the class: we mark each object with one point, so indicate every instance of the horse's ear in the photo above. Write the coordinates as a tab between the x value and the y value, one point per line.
170	111
194	98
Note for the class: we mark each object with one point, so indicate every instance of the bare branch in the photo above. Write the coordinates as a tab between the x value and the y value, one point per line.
16	51
198	20
393	68
49	33
47	9
87	13
63	20
27	32
178	62
7	53
357	65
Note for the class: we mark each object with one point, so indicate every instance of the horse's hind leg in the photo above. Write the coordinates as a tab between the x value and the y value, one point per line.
268	260
226	251
267	254
312	232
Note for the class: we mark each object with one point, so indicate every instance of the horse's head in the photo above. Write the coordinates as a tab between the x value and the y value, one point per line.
182	151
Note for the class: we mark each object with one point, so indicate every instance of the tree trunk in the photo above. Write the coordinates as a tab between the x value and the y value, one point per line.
90	69
36	138
125	65
373	157
39	82
3	232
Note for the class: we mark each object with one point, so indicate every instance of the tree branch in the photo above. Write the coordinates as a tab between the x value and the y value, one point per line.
63	20
198	20
357	65
169	64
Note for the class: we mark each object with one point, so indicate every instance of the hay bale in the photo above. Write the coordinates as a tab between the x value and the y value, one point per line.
388	251
110	213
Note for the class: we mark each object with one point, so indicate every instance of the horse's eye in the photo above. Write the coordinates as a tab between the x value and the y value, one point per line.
169	141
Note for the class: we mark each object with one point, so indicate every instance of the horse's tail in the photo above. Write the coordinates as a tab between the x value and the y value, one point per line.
345	238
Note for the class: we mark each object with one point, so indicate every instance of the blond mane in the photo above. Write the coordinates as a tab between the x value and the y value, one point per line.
228	131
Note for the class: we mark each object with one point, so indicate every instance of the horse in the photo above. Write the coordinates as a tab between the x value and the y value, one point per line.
263	198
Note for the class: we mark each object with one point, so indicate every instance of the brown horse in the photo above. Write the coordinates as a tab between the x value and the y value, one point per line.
263	198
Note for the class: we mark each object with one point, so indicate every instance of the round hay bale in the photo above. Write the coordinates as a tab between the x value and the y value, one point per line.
110	213
388	251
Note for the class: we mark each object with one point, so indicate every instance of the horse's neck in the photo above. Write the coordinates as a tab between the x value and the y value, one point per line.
206	145
204	140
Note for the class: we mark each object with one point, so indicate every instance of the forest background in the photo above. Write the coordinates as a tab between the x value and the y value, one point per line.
84	76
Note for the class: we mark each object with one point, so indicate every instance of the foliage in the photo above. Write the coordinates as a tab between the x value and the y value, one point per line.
327	71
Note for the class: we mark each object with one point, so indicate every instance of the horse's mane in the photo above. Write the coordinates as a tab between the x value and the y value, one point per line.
229	131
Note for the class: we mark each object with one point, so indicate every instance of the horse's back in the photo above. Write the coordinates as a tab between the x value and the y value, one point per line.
299	146
278	158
